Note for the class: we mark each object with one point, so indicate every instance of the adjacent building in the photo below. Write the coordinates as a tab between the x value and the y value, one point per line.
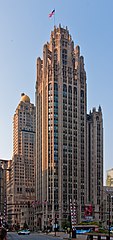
21	178
109	180
95	160
107	206
3	197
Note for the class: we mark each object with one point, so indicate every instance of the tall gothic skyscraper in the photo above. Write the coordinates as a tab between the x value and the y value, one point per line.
61	110
21	180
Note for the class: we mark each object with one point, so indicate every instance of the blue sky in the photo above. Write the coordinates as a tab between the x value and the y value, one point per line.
25	27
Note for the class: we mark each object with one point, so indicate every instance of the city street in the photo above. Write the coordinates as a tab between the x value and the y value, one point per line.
38	236
33	236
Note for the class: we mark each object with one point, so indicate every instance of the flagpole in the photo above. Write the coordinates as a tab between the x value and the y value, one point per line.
54	19
51	15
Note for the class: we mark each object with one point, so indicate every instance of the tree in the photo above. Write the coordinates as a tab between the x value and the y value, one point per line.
65	224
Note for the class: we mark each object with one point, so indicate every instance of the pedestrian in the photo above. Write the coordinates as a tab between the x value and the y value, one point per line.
3	234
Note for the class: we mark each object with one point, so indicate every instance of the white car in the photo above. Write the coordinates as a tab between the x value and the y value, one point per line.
24	232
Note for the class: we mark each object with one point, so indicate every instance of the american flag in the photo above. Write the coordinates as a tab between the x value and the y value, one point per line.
52	13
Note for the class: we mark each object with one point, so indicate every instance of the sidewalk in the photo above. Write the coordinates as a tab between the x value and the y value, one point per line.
63	235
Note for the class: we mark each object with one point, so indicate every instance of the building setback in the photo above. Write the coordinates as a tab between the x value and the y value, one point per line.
61	137
21	178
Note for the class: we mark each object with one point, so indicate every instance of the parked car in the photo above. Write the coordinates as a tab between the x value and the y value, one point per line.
24	232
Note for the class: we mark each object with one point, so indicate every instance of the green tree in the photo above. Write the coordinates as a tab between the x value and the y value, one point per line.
65	224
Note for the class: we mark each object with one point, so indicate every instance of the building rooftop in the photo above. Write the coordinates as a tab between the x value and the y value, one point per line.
24	98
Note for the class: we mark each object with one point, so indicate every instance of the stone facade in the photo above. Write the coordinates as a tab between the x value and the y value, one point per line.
61	128
21	179
95	161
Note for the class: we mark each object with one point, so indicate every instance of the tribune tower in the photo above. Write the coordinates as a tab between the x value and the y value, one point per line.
61	109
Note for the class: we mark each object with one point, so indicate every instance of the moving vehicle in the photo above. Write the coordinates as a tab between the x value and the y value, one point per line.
24	232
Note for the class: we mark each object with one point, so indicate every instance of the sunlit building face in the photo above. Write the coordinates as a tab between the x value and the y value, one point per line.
61	124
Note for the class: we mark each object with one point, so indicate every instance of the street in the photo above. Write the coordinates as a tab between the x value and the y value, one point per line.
38	236
32	236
